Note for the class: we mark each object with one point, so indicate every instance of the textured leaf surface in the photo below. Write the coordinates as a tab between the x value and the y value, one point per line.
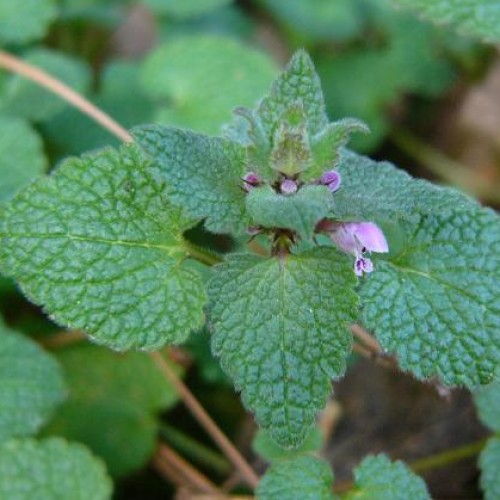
98	245
298	83
25	21
51	470
487	399
377	478
21	155
489	463
299	212
436	302
379	191
183	9
299	478
203	174
199	80
480	18
31	385
31	101
123	394
280	328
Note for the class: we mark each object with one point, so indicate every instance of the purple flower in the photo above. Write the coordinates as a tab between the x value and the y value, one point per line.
357	238
288	186
250	180
331	179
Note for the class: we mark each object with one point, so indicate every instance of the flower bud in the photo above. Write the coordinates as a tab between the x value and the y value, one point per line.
331	179
288	186
250	180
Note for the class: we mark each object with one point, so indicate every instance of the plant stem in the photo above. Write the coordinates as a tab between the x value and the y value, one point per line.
181	473
63	339
37	75
448	457
234	456
201	254
194	449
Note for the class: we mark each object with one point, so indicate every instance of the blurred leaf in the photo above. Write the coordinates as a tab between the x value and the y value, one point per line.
182	9
264	446
51	469
22	156
319	20
25	21
300	477
377	478
487	400
120	96
489	463
113	405
199	80
480	18
100	230
31	386
28	100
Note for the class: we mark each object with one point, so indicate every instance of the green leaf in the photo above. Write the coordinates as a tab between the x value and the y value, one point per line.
377	478
264	446
487	400
489	463
31	101
299	83
318	20
199	80
98	245
21	155
183	9
124	394
479	18
280	328
299	478
379	191
435	303
51	469
203	174
299	212
31	385
22	22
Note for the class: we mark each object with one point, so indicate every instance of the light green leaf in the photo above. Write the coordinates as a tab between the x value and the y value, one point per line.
479	18
199	80
280	326
379	191
489	463
21	155
98	245
183	9
487	400
264	446
299	478
377	478
123	394
51	470
435	303
22	22
299	212
203	174
31	101
31	385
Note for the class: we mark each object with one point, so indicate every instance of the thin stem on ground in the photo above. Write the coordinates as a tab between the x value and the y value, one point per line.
62	339
181	473
233	455
37	75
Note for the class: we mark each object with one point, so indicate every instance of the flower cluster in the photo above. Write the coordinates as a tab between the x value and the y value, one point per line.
356	238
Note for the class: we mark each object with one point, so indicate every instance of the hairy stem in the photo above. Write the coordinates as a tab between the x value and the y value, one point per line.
37	75
247	473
